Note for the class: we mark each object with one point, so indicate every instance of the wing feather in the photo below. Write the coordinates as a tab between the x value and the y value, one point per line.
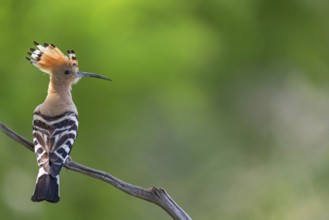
53	138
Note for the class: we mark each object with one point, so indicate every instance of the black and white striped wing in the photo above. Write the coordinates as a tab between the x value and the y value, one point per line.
53	138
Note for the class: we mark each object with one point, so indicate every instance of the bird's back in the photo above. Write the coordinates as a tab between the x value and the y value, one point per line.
53	138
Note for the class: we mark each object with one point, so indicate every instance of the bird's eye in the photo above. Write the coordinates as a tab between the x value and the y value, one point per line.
67	72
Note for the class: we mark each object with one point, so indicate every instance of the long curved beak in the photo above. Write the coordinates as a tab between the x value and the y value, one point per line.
85	74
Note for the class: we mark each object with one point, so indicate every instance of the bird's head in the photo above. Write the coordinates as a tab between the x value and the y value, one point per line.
61	68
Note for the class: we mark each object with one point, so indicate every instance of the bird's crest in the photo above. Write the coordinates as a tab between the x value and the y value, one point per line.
48	57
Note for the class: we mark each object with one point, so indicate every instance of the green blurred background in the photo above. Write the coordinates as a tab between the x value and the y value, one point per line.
224	103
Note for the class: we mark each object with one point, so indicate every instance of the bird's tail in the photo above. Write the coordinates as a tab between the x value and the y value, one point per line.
46	187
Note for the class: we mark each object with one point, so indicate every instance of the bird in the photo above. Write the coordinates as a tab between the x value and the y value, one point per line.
55	121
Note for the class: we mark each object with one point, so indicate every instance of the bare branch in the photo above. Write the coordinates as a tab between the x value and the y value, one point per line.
16	137
154	195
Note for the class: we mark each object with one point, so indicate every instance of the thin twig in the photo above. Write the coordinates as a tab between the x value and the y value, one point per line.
154	195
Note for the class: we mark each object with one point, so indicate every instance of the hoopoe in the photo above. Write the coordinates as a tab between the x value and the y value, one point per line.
55	121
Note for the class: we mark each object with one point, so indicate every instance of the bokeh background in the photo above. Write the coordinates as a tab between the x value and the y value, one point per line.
225	103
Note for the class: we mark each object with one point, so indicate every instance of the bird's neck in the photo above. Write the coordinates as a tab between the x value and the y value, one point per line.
60	91
58	101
